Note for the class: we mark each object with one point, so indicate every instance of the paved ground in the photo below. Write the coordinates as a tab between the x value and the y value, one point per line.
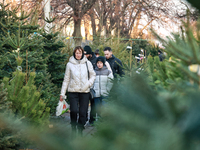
89	130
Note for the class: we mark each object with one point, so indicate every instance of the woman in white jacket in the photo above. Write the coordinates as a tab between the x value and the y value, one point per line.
78	85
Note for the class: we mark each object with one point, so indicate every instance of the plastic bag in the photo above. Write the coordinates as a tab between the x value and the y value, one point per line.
61	108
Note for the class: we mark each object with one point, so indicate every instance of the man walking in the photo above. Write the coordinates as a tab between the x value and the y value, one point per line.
115	63
90	55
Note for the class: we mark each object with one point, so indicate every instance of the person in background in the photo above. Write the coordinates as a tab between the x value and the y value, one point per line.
102	84
78	85
160	55
115	63
97	52
92	58
90	55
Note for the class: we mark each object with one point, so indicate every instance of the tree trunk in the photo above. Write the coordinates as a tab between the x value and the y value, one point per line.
93	24
48	26
77	32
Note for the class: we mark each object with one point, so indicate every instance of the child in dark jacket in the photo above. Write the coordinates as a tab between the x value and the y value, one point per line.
102	84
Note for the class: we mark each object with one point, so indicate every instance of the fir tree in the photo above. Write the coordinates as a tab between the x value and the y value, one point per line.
17	35
21	37
56	61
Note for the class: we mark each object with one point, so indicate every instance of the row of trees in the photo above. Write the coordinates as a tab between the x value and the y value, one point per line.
127	18
40	51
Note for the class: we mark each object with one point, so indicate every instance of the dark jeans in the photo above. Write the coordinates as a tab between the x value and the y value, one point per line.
78	104
97	105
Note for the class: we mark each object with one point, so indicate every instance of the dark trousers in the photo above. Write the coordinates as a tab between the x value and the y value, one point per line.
98	104
92	111
78	104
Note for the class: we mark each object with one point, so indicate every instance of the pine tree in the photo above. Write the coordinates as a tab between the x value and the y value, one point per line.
25	97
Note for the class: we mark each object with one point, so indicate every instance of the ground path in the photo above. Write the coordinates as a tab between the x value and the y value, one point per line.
88	131
63	122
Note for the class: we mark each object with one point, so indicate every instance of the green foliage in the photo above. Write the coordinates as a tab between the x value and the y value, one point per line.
137	117
143	121
40	52
184	52
152	50
17	37
158	110
25	98
56	60
50	80
11	23
8	138
138	45
162	72
49	91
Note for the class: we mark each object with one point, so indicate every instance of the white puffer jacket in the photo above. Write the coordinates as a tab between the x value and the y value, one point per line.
76	76
103	83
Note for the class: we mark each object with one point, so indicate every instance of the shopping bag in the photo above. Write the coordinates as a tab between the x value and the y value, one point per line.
61	108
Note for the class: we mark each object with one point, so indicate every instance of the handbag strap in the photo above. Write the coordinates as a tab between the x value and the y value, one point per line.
87	70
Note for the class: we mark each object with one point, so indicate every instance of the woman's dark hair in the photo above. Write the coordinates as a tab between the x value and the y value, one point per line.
78	48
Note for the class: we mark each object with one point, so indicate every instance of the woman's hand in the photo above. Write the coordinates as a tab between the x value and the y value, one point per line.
61	98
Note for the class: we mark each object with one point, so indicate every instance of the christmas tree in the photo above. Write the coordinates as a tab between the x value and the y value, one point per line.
25	97
19	35
56	61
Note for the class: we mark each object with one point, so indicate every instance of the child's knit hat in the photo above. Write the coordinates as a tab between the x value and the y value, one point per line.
102	59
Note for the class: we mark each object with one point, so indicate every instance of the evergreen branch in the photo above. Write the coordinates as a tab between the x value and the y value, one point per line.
191	41
22	16
190	75
50	20
176	51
